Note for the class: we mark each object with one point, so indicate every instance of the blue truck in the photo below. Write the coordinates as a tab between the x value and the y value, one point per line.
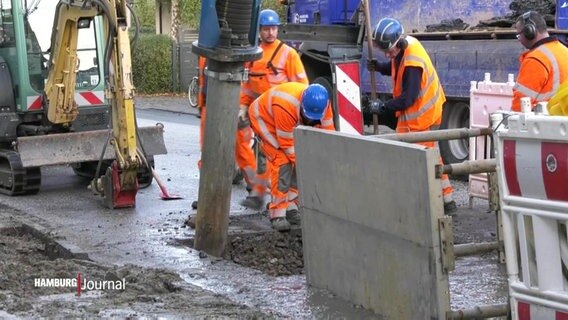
326	31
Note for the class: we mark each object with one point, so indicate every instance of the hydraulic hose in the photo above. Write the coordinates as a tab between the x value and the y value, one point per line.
235	14
134	41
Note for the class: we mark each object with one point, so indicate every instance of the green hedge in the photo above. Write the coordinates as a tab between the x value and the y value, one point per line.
152	64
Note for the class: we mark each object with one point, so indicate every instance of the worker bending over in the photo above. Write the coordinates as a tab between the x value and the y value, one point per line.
280	63
273	117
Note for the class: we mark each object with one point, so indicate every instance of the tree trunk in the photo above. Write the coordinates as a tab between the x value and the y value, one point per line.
176	21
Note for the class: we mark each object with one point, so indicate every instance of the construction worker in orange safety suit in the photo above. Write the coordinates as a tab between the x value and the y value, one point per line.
273	117
280	63
543	66
418	95
201	99
201	103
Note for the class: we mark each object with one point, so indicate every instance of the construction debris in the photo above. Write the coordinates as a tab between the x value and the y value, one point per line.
545	7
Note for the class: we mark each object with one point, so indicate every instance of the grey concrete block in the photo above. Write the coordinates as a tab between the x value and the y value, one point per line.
370	222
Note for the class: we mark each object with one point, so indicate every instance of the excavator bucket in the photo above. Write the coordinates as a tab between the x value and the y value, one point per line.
54	149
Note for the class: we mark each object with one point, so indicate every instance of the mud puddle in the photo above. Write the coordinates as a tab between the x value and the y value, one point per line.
270	261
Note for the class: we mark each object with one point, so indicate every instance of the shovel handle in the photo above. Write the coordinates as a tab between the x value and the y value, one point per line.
370	53
159	182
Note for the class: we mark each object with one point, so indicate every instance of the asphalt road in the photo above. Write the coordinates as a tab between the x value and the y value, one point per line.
153	233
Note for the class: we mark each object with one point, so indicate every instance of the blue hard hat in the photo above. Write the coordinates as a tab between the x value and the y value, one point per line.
268	17
314	101
387	33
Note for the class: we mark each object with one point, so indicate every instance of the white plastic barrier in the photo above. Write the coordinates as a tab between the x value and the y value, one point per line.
486	97
532	166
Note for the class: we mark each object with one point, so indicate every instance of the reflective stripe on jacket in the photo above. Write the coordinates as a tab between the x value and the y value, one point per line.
276	113
542	71
286	67
426	110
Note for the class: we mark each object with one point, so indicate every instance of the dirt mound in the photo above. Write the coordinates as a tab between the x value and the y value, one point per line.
147	292
274	253
545	7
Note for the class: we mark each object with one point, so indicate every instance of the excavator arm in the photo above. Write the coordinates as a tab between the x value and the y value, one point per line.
120	93
70	16
119	185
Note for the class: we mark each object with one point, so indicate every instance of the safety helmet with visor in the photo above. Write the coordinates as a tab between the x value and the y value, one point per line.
387	33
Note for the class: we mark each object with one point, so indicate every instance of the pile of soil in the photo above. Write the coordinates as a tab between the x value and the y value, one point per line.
147	293
274	253
545	7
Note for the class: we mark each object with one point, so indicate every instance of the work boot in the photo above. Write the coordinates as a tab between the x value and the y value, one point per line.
280	224
238	177
450	208
266	212
190	222
253	202
293	216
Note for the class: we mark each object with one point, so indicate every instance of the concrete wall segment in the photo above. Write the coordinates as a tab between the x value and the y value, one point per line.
370	222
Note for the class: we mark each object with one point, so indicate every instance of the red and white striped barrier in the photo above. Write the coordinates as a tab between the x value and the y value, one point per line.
536	169
527	311
532	167
85	98
348	97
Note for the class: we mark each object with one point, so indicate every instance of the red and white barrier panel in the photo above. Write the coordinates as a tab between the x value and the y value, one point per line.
86	98
527	311
348	97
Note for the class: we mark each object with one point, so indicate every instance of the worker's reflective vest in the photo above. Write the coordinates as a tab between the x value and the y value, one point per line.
201	100
280	63
276	113
426	111
542	71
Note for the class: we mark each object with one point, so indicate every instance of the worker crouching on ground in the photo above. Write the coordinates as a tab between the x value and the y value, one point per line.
273	117
418	95
279	64
543	66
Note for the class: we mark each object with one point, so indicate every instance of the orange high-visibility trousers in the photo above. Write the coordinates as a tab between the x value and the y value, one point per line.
202	113
244	156
283	183
246	160
447	190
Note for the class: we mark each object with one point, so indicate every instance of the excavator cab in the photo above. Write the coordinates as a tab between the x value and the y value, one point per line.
67	98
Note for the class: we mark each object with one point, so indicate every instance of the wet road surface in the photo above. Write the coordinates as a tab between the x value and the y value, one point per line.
153	233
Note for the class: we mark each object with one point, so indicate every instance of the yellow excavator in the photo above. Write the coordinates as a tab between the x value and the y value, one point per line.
74	102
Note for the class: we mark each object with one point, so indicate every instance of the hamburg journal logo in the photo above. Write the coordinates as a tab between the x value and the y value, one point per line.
80	284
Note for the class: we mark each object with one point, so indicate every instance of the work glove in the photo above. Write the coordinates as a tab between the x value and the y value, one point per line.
377	107
244	120
372	64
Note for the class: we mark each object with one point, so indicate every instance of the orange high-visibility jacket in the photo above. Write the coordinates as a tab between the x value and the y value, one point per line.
542	71
427	108
201	100
285	66
276	113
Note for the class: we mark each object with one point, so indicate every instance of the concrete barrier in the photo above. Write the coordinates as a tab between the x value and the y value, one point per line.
373	223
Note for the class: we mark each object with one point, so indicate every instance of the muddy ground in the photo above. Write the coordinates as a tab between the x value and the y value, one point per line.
280	254
147	293
276	254
153	293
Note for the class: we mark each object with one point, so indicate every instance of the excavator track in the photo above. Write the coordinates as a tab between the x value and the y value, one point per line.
14	178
